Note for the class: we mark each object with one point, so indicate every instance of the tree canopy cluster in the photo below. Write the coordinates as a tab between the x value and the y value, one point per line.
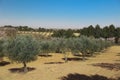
106	32
63	33
79	45
25	48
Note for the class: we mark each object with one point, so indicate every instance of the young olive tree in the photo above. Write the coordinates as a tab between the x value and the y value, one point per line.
45	47
66	49
74	45
62	44
77	46
54	45
23	49
93	46
84	47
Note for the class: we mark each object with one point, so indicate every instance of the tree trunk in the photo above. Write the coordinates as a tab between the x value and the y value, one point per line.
66	60
25	67
65	57
116	40
106	38
1	59
83	55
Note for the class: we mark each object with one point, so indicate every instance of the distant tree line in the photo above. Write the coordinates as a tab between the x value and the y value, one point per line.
27	28
106	32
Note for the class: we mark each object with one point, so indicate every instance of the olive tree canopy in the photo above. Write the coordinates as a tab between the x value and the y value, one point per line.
23	49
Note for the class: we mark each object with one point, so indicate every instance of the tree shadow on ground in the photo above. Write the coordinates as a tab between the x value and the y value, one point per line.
54	63
118	54
4	63
20	70
117	60
74	59
87	55
77	76
110	66
118	78
45	55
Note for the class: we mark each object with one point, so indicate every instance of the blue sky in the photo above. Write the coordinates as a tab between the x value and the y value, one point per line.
59	13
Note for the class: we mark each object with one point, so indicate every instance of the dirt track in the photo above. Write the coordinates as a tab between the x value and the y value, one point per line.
106	65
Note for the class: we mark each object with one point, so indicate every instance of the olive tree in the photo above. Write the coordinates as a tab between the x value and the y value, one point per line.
23	49
45	47
63	47
66	49
74	45
54	46
60	45
93	46
84	46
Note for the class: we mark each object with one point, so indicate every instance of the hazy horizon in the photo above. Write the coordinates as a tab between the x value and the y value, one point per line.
59	13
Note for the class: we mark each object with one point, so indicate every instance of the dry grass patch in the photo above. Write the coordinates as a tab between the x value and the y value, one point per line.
54	68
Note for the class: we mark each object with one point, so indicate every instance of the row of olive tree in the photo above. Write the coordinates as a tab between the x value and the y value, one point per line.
24	49
82	45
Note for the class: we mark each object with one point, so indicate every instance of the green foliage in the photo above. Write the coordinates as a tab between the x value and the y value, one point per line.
63	33
117	35
79	45
1	48
54	45
90	31
63	47
98	31
45	47
59	45
106	32
111	30
23	49
87	45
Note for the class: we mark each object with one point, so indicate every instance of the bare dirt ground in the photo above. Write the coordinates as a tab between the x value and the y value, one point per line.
101	67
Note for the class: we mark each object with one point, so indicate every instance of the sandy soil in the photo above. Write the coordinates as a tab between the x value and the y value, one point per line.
54	68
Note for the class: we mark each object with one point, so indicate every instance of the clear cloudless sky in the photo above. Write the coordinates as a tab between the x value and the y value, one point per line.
59	13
